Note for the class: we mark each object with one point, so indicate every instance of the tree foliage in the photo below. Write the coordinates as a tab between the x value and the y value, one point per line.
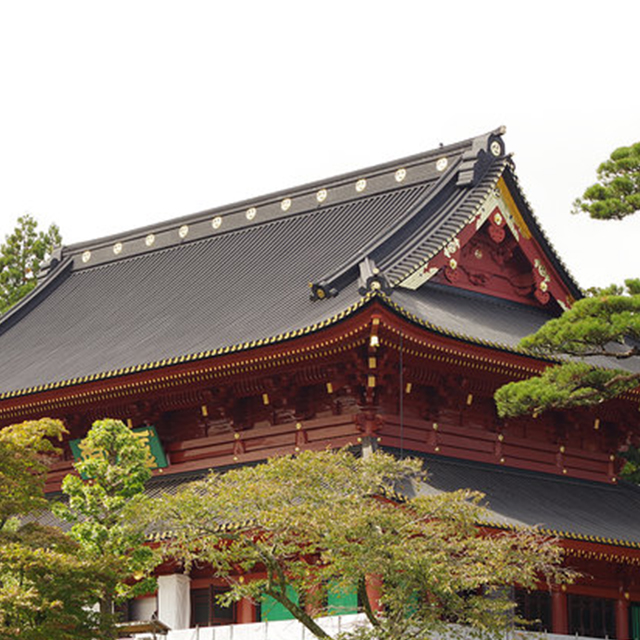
46	586
105	502
606	324
330	520
25	452
617	192
631	467
20	257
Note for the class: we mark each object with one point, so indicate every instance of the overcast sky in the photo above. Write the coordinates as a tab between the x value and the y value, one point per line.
119	114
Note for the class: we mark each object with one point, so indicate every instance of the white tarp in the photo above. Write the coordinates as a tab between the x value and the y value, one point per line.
174	602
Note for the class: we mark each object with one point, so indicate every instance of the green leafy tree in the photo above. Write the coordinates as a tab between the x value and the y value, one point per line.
104	504
20	257
331	520
26	450
606	323
631	466
46	586
617	192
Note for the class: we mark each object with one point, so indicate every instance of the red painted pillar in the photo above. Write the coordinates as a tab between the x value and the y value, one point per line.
622	619
374	592
559	614
246	611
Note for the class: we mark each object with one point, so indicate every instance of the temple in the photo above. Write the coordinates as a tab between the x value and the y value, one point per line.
377	309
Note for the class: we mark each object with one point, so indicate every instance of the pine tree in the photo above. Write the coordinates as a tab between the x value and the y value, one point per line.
20	257
605	323
617	192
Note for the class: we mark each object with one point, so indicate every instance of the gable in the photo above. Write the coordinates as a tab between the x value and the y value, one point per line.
496	253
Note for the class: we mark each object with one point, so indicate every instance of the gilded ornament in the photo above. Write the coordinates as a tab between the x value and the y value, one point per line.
361	185
285	205
149	240
251	213
86	256
321	196
183	231
117	248
442	164
216	222
400	174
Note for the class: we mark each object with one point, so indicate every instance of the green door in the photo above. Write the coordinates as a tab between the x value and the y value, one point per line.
634	612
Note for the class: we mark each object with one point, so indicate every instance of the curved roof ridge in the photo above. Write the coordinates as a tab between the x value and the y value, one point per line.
53	275
458	183
327	285
456	213
275	197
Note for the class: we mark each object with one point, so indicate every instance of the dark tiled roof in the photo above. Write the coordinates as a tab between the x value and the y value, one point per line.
230	276
497	322
482	319
566	507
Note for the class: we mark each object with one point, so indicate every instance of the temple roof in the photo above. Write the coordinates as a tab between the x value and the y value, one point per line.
558	505
271	268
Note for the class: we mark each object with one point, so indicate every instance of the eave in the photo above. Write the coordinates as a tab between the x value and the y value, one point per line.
346	330
581	545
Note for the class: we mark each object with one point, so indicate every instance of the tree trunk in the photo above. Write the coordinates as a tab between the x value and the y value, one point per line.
107	627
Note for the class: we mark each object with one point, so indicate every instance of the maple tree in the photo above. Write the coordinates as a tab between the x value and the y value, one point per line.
295	526
46	586
106	500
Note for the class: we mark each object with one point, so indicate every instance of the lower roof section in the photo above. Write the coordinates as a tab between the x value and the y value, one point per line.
474	316
564	507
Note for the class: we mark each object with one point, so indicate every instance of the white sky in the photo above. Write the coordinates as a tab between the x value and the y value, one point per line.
116	114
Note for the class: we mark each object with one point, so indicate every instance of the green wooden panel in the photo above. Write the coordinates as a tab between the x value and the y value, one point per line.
635	621
342	601
272	610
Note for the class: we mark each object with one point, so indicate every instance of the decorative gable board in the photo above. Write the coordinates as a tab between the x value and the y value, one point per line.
497	254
